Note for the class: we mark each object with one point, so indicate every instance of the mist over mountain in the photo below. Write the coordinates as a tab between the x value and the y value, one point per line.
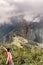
5	28
27	29
31	30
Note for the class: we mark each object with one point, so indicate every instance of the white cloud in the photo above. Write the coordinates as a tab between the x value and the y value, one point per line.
36	20
18	1
9	8
28	18
6	11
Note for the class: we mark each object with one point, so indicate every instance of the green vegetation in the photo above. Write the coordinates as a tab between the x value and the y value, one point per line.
23	56
24	52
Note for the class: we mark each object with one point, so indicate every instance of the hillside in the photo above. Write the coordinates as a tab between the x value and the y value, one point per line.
24	52
5	29
29	30
32	30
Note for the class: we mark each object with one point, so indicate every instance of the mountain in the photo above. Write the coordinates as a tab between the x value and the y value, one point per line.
29	30
32	30
5	29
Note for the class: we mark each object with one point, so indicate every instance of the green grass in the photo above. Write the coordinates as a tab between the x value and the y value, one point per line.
23	56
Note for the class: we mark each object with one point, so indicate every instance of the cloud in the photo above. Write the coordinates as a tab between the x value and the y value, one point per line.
28	17
36	20
6	11
11	8
18	1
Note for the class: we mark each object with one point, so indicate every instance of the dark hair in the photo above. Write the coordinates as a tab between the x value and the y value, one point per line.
8	49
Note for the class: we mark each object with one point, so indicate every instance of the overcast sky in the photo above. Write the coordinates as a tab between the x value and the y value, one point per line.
11	8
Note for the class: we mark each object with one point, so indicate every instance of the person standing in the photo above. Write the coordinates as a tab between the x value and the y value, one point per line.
9	60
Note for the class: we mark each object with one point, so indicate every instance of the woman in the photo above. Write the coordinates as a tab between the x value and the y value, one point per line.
9	56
